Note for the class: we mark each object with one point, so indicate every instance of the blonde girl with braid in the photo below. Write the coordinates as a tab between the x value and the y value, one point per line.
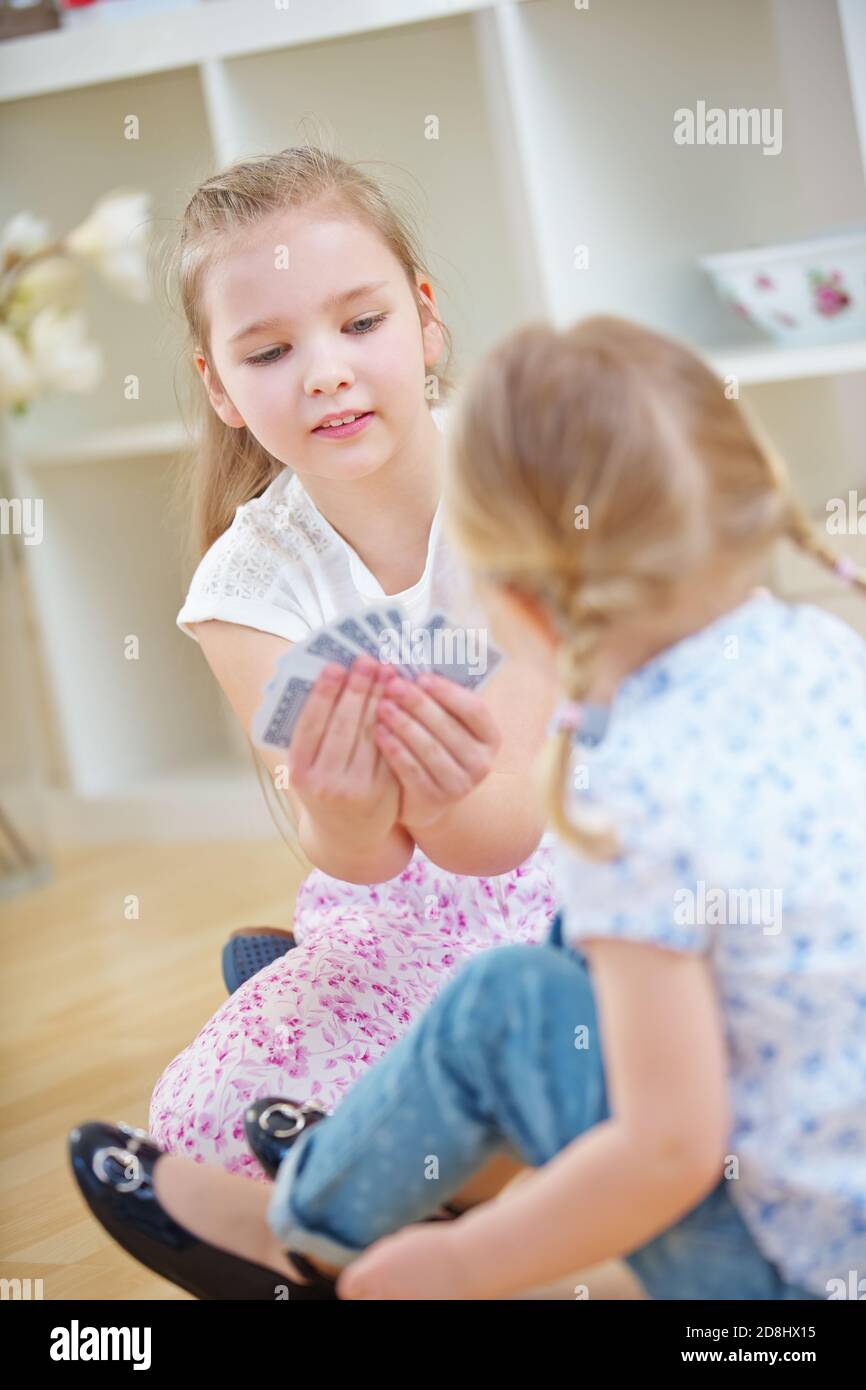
682	1063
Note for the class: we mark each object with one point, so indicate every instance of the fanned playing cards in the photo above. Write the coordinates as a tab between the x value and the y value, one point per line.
384	632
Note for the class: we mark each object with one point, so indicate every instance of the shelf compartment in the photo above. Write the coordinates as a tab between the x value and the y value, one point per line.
83	54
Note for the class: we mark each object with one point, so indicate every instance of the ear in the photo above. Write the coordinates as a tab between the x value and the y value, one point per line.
432	334
217	396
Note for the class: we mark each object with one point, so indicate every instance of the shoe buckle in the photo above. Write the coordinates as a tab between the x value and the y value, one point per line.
130	1163
288	1110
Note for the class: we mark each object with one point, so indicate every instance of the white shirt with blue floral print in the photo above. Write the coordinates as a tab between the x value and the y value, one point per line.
733	768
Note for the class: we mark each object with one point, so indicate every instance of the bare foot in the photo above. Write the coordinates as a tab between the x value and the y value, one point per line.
228	1211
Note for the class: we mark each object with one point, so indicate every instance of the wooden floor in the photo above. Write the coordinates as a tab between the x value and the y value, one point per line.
95	1003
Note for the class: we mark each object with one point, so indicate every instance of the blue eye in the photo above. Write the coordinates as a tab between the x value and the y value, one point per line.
264	358
374	319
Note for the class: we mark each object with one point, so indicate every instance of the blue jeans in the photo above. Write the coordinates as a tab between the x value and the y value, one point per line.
493	1066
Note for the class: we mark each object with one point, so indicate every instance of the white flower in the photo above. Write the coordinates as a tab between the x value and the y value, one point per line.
63	359
56	280
114	238
24	235
18	383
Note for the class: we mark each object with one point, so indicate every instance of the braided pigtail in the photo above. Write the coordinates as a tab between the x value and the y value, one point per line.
803	532
582	626
790	518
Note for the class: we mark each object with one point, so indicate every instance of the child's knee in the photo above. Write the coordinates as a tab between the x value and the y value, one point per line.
512	969
480	998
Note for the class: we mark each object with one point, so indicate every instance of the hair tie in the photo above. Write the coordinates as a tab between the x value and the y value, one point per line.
568	715
846	569
586	723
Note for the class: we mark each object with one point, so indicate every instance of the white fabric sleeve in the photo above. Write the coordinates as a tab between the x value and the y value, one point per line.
649	893
237	586
249	612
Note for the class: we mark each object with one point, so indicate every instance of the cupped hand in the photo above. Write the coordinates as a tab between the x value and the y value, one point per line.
335	766
440	741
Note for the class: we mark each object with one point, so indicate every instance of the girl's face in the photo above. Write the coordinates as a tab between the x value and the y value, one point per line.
313	316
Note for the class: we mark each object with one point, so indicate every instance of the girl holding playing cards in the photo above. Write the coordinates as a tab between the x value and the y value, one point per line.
307	302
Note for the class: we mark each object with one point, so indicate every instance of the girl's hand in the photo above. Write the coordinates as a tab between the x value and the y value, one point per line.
334	764
415	1263
440	742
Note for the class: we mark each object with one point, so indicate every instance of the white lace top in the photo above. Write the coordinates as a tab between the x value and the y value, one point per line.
282	568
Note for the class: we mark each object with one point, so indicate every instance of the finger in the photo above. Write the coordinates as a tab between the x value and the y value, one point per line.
354	1285
441	767
406	767
357	1280
342	730
461	742
465	705
384	776
308	732
365	753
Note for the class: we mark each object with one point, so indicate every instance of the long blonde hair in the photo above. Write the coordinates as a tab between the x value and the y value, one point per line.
225	467
635	427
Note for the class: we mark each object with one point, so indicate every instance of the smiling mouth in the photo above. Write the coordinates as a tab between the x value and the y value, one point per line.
343	429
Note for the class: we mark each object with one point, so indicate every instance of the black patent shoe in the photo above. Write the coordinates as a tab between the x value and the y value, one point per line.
272	1124
113	1166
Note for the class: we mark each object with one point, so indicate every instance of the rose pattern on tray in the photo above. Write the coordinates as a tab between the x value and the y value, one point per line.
830	296
805	293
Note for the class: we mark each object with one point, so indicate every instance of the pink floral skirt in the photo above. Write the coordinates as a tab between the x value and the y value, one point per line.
369	959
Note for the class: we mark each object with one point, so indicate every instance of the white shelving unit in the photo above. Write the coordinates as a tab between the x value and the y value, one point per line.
128	40
755	366
555	131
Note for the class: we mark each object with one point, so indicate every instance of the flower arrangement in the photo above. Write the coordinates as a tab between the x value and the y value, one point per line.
43	331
